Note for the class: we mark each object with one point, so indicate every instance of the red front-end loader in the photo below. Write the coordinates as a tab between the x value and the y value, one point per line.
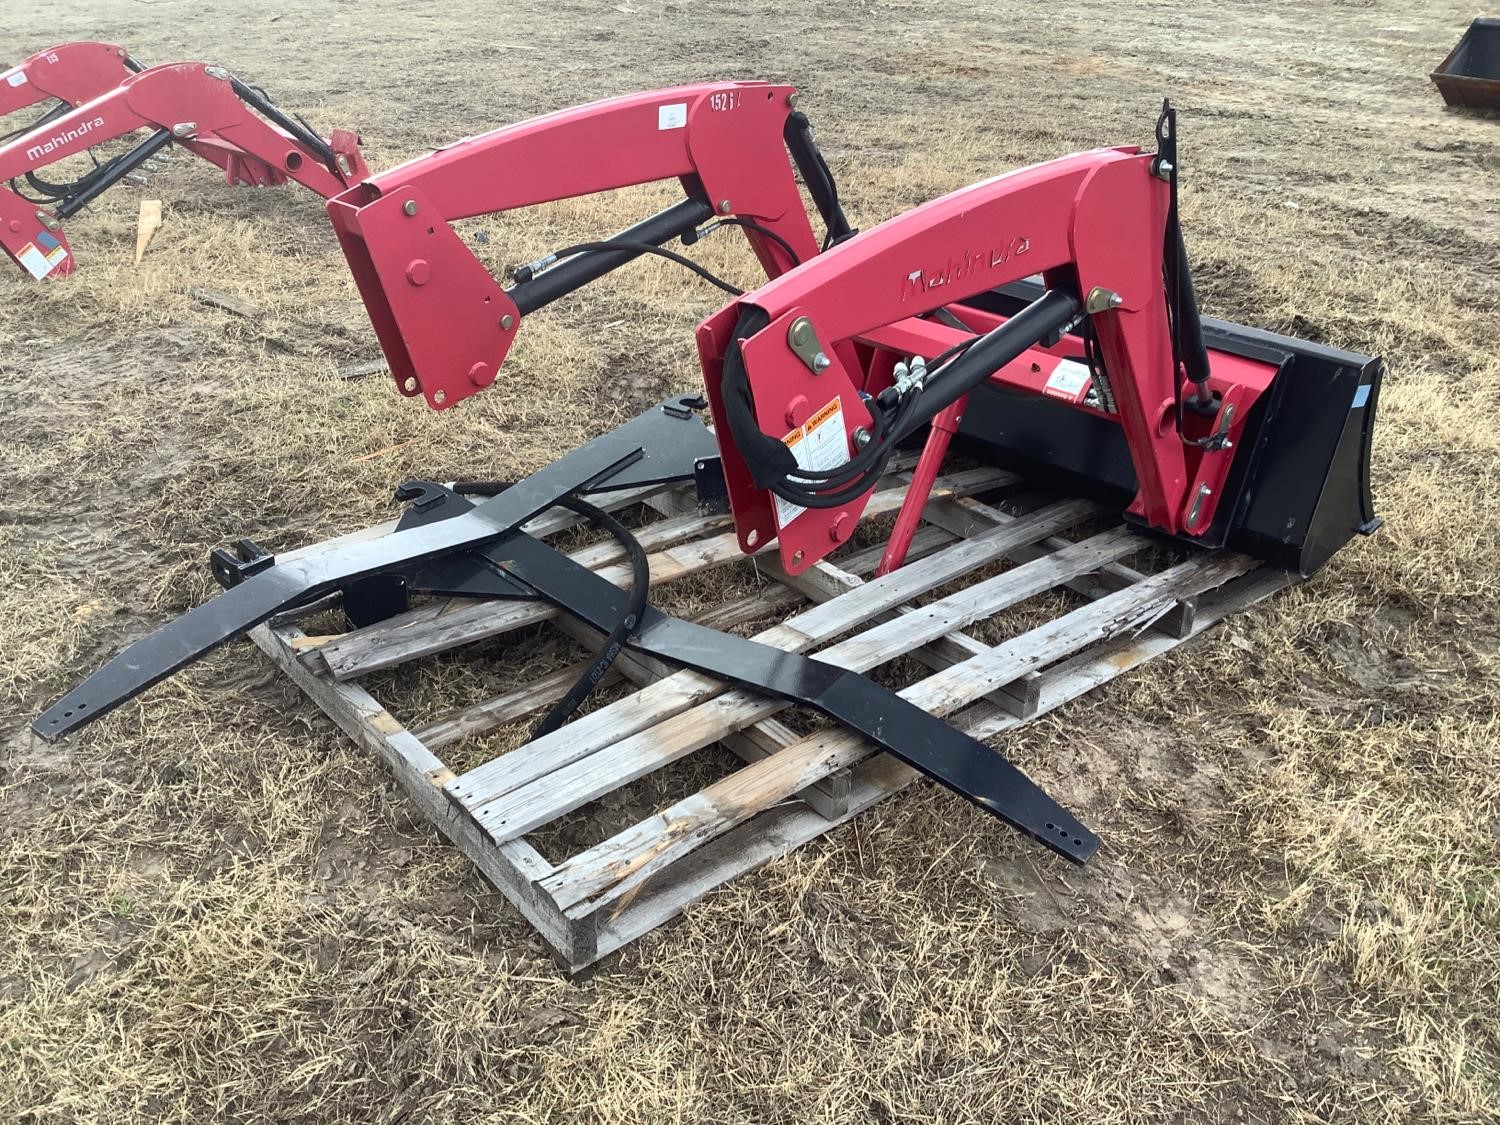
1044	319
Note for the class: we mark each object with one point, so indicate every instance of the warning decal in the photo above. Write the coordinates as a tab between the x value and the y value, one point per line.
35	262
1068	381
819	443
51	247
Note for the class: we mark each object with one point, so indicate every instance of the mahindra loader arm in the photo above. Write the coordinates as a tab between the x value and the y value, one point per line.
445	324
201	107
1113	334
70	73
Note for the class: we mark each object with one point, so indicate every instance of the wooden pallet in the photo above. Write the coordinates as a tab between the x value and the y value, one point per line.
792	787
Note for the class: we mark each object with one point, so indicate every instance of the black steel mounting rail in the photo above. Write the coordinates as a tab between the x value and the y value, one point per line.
923	741
658	446
453	545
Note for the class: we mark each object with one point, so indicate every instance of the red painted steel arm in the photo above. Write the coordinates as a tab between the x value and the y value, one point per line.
1092	223
195	101
70	72
198	104
444	322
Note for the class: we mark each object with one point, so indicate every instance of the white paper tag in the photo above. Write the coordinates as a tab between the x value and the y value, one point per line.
1068	380
35	262
16	78
672	116
820	443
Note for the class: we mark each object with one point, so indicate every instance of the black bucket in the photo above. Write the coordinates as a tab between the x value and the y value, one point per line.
1470	75
1299	488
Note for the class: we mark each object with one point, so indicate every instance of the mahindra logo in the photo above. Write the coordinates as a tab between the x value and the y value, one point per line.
956	269
51	144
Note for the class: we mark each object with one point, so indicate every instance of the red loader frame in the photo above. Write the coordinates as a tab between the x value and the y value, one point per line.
72	73
446	324
812	377
202	107
1094	226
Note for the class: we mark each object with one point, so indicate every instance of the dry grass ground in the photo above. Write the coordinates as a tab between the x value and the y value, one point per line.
212	906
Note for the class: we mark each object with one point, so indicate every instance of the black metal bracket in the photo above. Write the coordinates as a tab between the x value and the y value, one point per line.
656	447
968	767
709	484
243	559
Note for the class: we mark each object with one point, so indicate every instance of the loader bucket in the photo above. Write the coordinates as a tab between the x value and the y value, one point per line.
1470	75
1300	486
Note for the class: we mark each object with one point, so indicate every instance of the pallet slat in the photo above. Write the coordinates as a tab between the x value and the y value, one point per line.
792	787
603	873
519	810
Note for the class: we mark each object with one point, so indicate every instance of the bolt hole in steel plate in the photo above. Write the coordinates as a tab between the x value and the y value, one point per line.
1063	833
293	160
410	384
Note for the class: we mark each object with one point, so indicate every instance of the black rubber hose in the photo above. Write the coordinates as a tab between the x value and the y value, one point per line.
640	589
614	245
759	228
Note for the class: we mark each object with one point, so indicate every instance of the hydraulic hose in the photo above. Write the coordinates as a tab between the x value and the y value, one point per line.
640	588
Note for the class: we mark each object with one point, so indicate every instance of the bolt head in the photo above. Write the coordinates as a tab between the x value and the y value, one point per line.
409	207
725	207
791	101
861	437
1115	300
821	362
507	322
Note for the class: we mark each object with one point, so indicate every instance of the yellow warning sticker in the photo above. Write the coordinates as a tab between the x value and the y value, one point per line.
34	261
819	444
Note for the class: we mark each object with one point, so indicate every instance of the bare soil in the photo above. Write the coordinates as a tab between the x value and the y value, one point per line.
214	907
